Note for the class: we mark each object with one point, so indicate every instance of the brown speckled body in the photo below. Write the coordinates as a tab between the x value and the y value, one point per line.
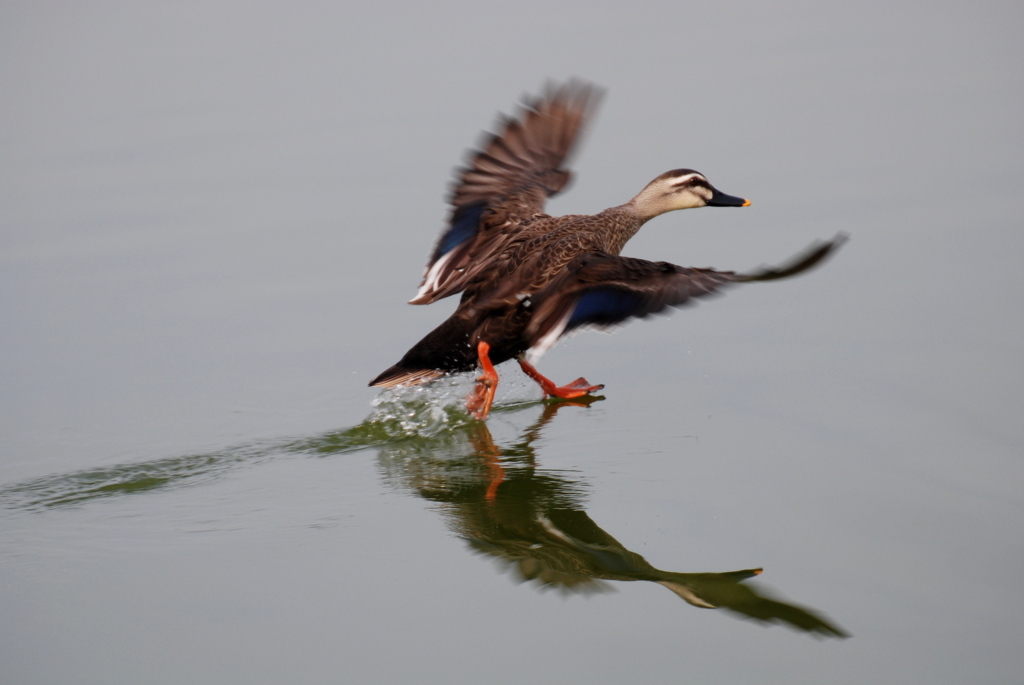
545	246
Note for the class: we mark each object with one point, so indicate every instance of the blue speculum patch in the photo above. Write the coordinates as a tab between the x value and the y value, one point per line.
603	306
465	225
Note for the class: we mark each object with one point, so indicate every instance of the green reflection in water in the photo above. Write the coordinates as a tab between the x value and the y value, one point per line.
495	498
412	415
90	484
533	521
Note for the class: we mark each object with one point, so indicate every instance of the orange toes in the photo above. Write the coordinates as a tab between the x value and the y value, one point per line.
479	402
582	383
577	388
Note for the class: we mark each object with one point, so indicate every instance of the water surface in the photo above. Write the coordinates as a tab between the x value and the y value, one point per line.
212	217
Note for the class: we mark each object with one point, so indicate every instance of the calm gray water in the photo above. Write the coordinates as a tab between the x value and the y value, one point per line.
212	215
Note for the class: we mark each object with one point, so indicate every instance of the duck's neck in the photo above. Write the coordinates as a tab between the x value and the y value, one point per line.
654	200
626	222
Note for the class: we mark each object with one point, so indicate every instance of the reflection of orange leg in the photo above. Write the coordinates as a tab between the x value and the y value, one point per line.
578	388
479	403
497	476
483	445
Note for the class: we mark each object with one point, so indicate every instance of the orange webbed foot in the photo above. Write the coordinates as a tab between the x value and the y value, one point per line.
479	402
578	388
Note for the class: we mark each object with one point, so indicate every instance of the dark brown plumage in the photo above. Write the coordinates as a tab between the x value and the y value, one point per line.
528	278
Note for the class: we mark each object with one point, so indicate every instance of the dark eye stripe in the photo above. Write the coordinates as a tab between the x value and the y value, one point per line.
695	182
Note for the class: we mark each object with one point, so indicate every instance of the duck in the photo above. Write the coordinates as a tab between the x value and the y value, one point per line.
528	279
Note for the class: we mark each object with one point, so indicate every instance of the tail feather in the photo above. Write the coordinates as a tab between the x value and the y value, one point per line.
446	349
399	375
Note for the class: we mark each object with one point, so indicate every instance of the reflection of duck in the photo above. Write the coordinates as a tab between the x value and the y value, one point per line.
494	498
527	278
505	507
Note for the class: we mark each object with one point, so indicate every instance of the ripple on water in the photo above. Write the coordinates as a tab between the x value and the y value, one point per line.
397	415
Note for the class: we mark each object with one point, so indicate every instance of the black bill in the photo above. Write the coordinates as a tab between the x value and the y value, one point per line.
719	199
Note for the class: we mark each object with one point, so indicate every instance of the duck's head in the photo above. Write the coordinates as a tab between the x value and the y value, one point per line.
681	189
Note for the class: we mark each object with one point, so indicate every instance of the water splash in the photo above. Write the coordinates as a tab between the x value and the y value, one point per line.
420	411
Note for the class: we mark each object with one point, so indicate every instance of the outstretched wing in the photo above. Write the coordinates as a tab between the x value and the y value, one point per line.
505	183
601	290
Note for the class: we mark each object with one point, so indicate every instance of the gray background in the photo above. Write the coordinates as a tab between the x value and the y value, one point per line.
212	214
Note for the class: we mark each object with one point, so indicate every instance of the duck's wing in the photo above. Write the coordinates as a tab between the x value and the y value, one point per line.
504	183
601	290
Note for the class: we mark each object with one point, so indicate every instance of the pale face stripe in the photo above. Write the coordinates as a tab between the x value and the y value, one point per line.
683	180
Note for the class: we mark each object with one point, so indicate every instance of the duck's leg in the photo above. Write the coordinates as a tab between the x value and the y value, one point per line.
578	388
479	403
